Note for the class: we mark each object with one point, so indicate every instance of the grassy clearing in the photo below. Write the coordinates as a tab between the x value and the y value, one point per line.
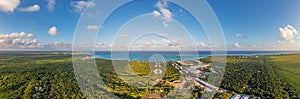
140	68
53	61
288	66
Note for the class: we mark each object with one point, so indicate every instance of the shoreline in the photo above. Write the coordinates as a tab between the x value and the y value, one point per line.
203	57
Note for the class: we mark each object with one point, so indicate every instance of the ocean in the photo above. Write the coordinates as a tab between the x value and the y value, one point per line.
175	55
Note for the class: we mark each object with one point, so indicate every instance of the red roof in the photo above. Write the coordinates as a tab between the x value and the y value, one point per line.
154	96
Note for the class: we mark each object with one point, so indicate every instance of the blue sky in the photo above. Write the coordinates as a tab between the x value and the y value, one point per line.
247	24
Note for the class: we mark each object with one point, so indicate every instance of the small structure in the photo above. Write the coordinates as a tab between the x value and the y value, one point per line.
245	97
88	57
154	96
236	96
158	71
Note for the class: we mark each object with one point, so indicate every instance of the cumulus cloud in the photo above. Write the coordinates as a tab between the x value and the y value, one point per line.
161	35
237	45
167	41
161	4
232	46
100	45
16	35
18	40
253	46
292	42
163	12
110	45
288	35
2	41
156	13
288	32
165	24
280	42
9	5
57	45
30	8
175	42
92	27
167	14
22	40
238	35
122	35
25	41
50	4
147	45
158	40
53	31
81	5
204	45
147	42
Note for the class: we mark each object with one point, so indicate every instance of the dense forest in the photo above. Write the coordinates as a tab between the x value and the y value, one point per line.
44	75
254	75
50	75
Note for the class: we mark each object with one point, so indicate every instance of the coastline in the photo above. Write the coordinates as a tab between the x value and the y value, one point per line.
175	56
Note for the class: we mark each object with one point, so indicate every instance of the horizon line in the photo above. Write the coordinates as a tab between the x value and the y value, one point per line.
38	50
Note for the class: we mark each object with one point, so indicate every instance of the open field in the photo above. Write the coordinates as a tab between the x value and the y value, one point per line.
288	67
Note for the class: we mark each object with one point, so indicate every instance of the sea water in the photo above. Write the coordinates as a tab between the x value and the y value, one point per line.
176	55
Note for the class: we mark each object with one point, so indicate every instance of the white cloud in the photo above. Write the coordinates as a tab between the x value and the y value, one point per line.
161	4
30	36
165	24
53	31
204	45
100	45
16	35
147	43
156	13
253	46
50	5
155	42
237	45
2	41
9	5
18	40
288	35
280	42
166	41
167	14
30	8
57	46
110	45
238	35
122	35
92	27
161	35
175	42
22	40
292	42
81	5
163	12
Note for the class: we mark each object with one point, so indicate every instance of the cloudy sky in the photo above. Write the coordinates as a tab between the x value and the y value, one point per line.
148	25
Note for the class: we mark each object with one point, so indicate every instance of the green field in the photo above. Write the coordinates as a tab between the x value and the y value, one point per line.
288	66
